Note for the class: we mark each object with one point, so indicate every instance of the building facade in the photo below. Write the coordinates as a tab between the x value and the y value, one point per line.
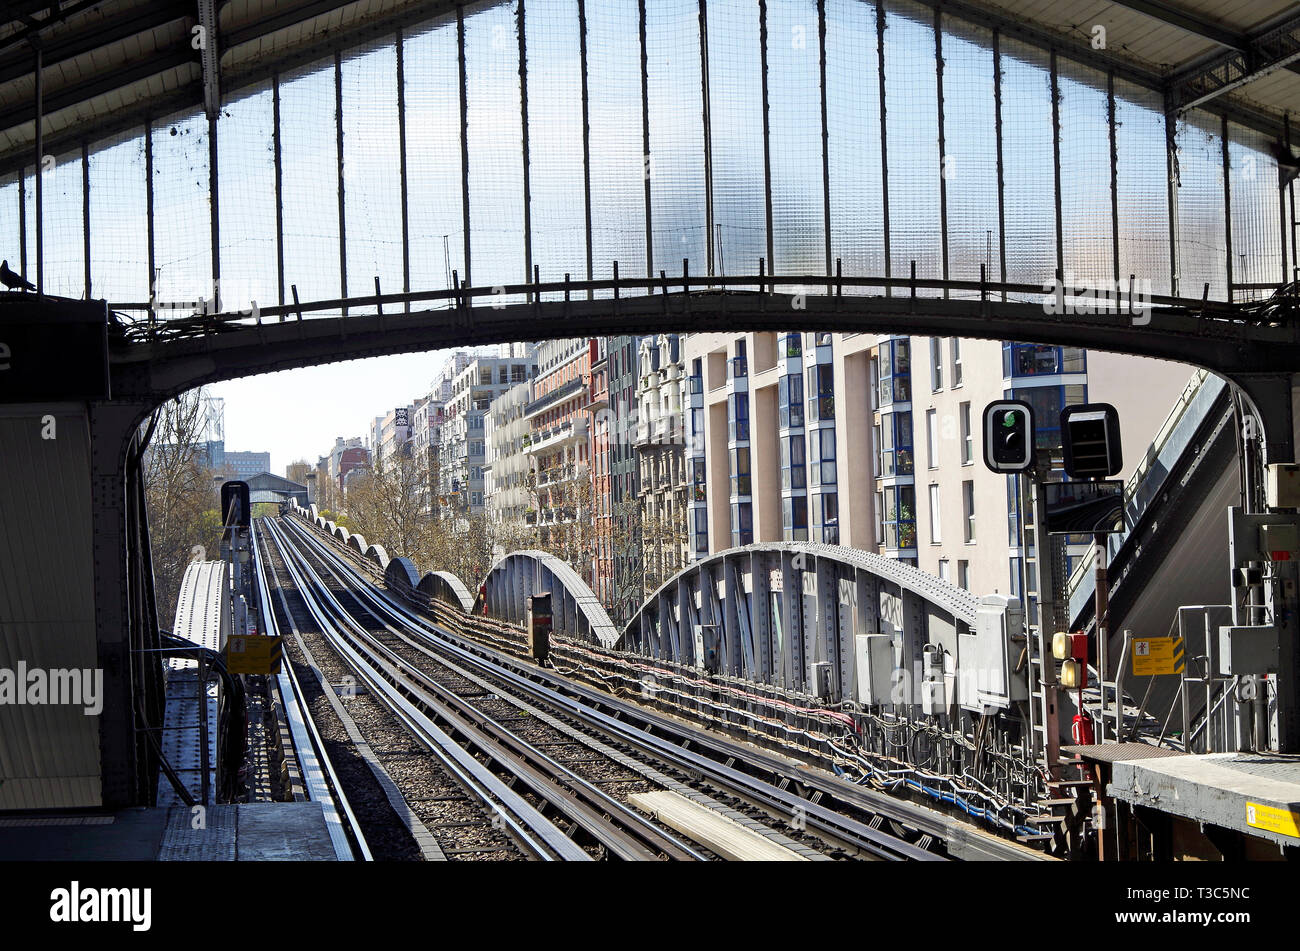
874	441
658	440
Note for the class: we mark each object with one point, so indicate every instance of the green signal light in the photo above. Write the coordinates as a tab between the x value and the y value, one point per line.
1010	418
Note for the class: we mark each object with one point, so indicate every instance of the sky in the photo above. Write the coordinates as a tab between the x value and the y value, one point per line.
295	414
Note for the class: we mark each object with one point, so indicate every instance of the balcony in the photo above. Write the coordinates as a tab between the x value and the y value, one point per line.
563	434
556	395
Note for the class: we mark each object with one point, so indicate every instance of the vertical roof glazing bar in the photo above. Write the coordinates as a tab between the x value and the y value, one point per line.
1227	201
586	135
1171	193
338	135
943	158
1056	165
401	169
826	155
279	183
148	200
884	133
213	209
647	162
708	137
767	138
464	137
523	122
1002	192
85	212
1114	177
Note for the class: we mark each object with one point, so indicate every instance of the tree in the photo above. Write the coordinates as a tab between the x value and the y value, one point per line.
383	504
182	499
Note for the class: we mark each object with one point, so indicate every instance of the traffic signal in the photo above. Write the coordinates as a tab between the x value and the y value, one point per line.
1009	436
1090	440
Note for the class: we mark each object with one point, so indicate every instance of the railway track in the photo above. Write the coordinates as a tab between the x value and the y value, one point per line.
655	749
545	806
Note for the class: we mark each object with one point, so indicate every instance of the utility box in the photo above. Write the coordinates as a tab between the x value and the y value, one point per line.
934	697
706	647
1248	650
874	654
539	627
819	679
989	674
1282	485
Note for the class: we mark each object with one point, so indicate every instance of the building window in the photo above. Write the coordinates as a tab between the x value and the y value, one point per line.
740	471
943	569
701	531
790	400
956	362
826	521
742	524
895	371
793	345
936	364
935	538
931	440
967	436
963	574
823	456
793	474
1015	577
896	450
794	517
740	364
880	518
900	517
739	417
821	391
1031	359
968	508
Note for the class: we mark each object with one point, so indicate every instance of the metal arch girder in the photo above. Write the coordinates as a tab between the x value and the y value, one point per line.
445	586
577	610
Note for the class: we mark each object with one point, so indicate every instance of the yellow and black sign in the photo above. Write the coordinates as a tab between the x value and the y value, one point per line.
1282	821
1153	656
254	654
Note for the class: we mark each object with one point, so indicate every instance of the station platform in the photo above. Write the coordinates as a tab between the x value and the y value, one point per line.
240	832
1256	794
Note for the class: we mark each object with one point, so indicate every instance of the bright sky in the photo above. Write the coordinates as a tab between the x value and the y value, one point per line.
297	413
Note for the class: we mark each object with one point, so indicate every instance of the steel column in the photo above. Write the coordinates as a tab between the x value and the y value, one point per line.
1056	166
767	139
85	212
884	135
1171	168
1227	201
401	158
708	135
647	160
997	121
523	119
1114	177
148	206
943	158
586	135
279	184
826	155
40	170
338	147
213	213
464	138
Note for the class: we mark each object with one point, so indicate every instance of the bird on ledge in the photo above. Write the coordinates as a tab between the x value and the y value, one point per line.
12	279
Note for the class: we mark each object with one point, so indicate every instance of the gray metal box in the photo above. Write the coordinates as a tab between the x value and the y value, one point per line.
819	680
987	659
875	665
1248	650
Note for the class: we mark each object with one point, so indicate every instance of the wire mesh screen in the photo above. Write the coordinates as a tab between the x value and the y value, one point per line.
1029	182
1141	175
853	139
119	223
64	235
676	106
495	137
1087	249
246	201
618	161
795	130
309	183
10	238
912	117
555	169
736	127
434	197
182	209
372	191
1202	231
970	162
1256	213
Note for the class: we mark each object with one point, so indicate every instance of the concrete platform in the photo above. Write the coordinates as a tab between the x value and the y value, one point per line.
1256	794
242	832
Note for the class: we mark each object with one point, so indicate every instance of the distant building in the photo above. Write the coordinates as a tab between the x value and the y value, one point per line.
245	465
506	472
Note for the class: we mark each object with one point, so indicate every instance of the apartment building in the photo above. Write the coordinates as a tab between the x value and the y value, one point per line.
658	440
462	441
874	441
602	497
627	544
506	482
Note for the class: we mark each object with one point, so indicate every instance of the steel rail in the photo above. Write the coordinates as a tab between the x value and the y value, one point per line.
469	721
768	796
323	784
516	813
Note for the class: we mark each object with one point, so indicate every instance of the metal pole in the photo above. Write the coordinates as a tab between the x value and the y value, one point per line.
338	134
1227	201
279	181
645	142
1046	622
826	155
401	158
464	137
148	207
214	212
1101	601
709	223
943	145
40	169
1056	171
1114	178
1171	192
85	211
1002	196
884	135
767	136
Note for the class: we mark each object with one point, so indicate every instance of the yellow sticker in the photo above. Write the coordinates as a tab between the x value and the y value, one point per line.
253	654
1273	819
1153	656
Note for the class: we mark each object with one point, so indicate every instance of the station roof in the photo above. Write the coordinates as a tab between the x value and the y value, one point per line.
106	64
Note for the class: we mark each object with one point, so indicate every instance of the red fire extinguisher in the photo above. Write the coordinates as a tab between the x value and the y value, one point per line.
1081	730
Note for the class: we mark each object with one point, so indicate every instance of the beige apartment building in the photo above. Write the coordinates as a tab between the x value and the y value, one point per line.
875	442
